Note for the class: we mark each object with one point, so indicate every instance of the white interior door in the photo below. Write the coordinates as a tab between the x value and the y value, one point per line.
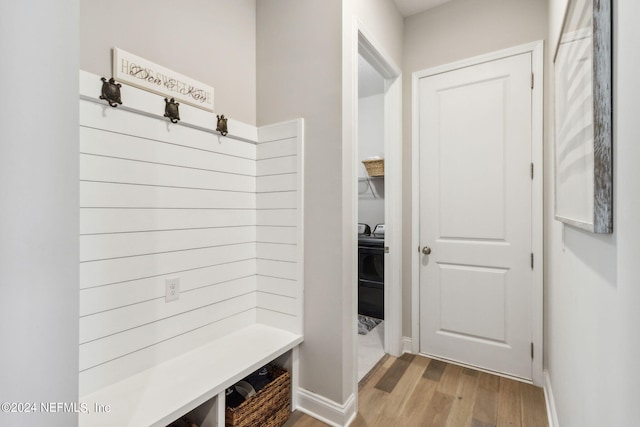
475	215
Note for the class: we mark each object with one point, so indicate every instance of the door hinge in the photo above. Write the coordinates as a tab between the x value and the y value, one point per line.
532	80
532	260
532	350
531	170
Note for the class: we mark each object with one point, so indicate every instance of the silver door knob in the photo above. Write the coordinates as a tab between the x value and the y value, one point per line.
426	250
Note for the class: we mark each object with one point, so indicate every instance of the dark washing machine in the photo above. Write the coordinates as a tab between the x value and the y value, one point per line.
371	272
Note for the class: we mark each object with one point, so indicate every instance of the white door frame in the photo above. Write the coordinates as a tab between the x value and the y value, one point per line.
381	62
537	58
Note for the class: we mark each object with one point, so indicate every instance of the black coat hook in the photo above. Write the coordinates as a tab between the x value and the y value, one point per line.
222	125
171	110
111	91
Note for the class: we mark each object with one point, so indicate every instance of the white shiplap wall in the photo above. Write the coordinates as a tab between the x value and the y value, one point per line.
161	200
279	203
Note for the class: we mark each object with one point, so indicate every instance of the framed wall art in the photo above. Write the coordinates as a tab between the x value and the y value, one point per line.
583	117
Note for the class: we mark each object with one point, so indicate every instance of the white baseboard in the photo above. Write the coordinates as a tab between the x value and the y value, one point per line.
407	345
552	415
326	410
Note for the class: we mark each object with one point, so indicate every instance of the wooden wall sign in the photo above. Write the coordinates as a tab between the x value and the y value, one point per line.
141	73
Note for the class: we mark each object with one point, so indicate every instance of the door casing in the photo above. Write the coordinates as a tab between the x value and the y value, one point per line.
362	42
537	51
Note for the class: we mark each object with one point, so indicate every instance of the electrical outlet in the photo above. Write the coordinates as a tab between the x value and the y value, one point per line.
172	289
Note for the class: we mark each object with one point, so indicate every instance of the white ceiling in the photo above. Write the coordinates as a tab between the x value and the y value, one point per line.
411	7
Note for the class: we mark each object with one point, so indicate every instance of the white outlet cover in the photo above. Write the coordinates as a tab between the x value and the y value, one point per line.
172	289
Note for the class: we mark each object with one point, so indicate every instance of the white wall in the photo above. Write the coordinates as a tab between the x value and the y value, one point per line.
39	214
279	216
592	286
158	202
454	31
370	143
384	23
556	13
213	41
163	201
299	72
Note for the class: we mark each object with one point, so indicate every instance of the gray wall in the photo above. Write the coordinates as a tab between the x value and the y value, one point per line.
304	51
454	31
299	70
39	215
212	41
592	281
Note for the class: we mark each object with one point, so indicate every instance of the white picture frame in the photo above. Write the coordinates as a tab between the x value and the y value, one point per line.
583	117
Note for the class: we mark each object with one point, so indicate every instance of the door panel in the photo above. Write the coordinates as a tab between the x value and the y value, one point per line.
480	188
465	291
475	215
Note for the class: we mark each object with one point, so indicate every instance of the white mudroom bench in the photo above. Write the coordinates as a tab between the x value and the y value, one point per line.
162	394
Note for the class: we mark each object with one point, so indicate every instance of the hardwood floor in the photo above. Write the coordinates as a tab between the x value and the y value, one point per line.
418	391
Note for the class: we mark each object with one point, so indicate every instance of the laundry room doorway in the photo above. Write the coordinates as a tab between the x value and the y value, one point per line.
377	177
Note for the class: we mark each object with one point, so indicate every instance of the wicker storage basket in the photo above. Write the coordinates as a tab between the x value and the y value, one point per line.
183	422
270	407
374	167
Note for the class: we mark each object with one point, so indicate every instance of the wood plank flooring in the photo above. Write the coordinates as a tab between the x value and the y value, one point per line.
417	391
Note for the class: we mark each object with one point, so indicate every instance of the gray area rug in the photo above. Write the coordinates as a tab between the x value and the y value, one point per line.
366	324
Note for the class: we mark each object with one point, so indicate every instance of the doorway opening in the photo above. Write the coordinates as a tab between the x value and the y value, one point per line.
371	218
379	210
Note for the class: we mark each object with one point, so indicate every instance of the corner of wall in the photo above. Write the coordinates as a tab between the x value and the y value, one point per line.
326	410
552	415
